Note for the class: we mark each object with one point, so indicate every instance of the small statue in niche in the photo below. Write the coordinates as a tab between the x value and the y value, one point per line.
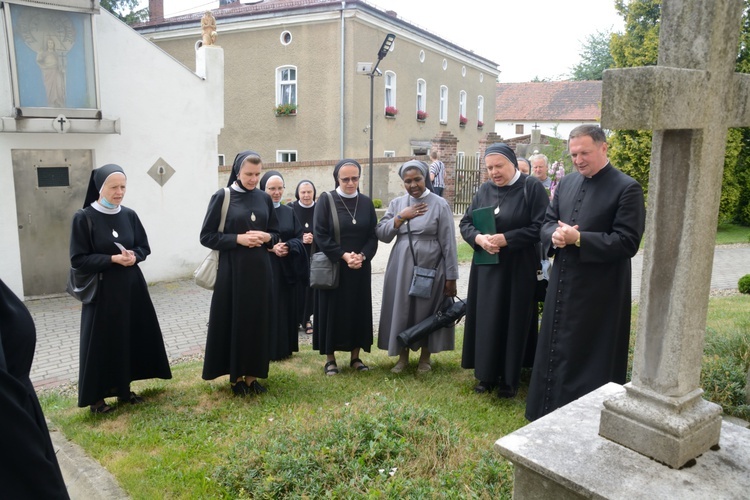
208	27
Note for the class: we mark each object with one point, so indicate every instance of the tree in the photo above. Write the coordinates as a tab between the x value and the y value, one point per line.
631	149
638	46
126	10
595	57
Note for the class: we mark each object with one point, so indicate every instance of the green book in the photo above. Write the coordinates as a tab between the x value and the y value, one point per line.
484	221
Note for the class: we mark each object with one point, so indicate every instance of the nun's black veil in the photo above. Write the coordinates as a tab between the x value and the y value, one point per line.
238	160
97	180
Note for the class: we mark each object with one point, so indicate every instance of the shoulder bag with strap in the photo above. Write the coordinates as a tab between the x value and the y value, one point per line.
423	278
205	275
324	274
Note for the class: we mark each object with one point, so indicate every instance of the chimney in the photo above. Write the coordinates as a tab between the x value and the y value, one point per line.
155	10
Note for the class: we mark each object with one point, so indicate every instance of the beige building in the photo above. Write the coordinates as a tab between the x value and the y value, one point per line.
308	53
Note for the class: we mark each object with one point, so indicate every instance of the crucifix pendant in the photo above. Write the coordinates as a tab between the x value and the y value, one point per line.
497	210
252	216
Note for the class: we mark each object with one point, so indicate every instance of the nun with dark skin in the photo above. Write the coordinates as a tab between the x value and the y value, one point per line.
422	224
343	316
304	209
499	305
239	322
121	340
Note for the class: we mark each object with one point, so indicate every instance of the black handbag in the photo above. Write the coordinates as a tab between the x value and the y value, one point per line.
423	278
324	274
449	314
83	286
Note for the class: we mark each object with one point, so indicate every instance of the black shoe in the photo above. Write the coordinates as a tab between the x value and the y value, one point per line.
257	388
484	387
133	399
506	392
241	389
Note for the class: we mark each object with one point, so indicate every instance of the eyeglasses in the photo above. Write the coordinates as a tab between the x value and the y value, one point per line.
347	180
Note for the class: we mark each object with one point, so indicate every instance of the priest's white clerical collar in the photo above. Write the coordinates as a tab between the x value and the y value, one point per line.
515	178
101	208
276	204
344	195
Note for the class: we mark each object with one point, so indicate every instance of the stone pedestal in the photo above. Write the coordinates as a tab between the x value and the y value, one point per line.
672	431
562	456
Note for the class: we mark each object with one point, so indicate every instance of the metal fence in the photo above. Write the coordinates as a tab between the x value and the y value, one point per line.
468	179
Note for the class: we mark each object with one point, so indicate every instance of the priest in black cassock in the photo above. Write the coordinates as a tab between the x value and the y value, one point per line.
28	466
593	227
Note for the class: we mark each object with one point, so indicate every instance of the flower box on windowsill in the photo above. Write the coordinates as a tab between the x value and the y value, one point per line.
391	112
462	120
286	110
421	120
421	115
480	124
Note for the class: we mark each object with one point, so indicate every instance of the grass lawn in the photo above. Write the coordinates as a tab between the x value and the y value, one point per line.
372	434
732	233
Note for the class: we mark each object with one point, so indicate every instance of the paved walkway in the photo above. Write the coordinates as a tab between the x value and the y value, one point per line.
182	308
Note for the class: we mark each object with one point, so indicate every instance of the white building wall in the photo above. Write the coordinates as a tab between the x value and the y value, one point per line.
507	130
165	111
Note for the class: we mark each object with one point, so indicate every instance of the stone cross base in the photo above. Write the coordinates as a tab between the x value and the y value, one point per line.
672	431
562	456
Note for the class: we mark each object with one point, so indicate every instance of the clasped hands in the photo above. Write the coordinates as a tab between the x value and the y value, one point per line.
354	260
253	239
126	258
491	243
565	235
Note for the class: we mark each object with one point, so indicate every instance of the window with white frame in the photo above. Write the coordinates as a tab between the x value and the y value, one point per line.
421	97
480	111
286	85
389	154
283	155
390	89
461	159
462	106
443	104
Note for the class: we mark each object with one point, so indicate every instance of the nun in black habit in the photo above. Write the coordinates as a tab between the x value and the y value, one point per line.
500	296
121	340
304	209
240	319
343	316
289	264
28	466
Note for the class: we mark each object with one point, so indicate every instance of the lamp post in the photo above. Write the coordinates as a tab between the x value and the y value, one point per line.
384	48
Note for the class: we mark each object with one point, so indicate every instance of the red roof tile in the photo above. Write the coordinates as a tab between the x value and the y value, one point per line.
548	101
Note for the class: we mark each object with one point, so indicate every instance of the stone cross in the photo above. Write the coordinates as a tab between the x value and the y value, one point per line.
689	100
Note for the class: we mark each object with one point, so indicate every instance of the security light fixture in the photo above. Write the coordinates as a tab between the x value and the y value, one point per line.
384	48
